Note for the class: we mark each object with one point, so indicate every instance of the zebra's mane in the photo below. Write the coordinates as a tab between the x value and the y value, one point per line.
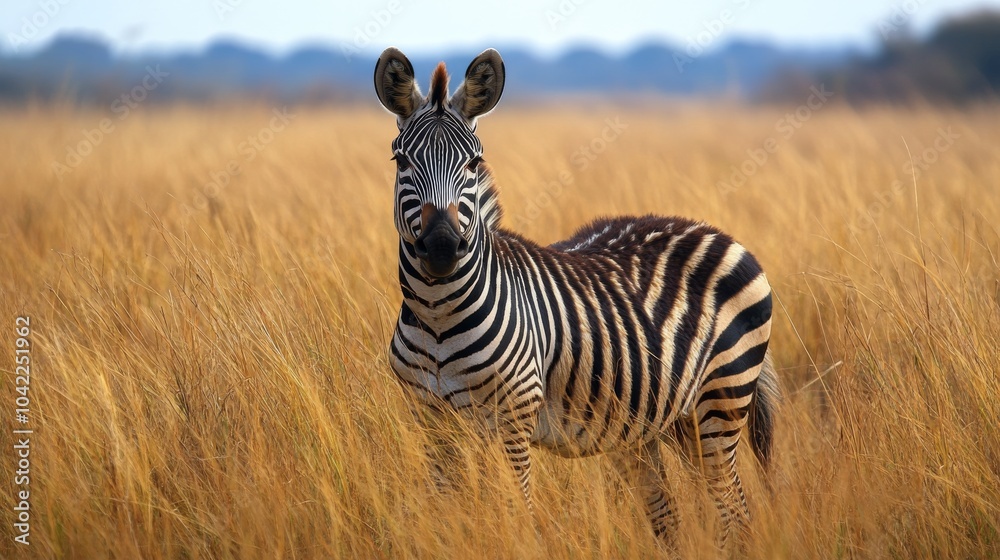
439	87
490	210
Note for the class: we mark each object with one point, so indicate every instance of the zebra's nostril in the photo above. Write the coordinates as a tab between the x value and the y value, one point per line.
420	248
463	249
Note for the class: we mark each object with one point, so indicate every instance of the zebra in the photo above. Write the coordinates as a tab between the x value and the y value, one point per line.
632	332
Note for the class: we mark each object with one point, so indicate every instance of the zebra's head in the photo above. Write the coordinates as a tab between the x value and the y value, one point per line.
443	187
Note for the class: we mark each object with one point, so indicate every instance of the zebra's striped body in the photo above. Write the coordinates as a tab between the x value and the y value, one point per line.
634	329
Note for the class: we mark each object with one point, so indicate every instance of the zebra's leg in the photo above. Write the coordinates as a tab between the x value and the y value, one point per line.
517	416
439	450
717	438
682	437
516	445
644	467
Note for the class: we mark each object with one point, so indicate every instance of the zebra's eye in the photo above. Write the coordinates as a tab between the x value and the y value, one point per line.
402	164
474	163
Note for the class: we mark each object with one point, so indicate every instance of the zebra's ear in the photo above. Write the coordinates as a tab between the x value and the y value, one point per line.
395	85
482	87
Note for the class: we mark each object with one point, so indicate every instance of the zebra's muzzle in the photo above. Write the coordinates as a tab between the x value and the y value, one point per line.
440	247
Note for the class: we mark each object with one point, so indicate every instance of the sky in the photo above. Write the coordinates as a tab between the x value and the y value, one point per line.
546	27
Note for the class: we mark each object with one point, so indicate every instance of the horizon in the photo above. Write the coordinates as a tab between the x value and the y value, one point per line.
570	48
556	28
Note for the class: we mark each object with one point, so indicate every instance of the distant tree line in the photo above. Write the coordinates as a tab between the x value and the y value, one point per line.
959	62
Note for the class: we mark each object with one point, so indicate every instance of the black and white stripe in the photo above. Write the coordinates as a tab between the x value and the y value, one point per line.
633	331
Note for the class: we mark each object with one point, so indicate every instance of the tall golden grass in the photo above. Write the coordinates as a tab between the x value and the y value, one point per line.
210	376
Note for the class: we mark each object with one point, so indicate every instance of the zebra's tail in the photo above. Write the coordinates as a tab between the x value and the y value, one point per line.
767	399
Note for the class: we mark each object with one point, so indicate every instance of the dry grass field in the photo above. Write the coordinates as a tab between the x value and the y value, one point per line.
209	369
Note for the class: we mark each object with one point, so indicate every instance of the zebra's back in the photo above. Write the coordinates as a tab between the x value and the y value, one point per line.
644	310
